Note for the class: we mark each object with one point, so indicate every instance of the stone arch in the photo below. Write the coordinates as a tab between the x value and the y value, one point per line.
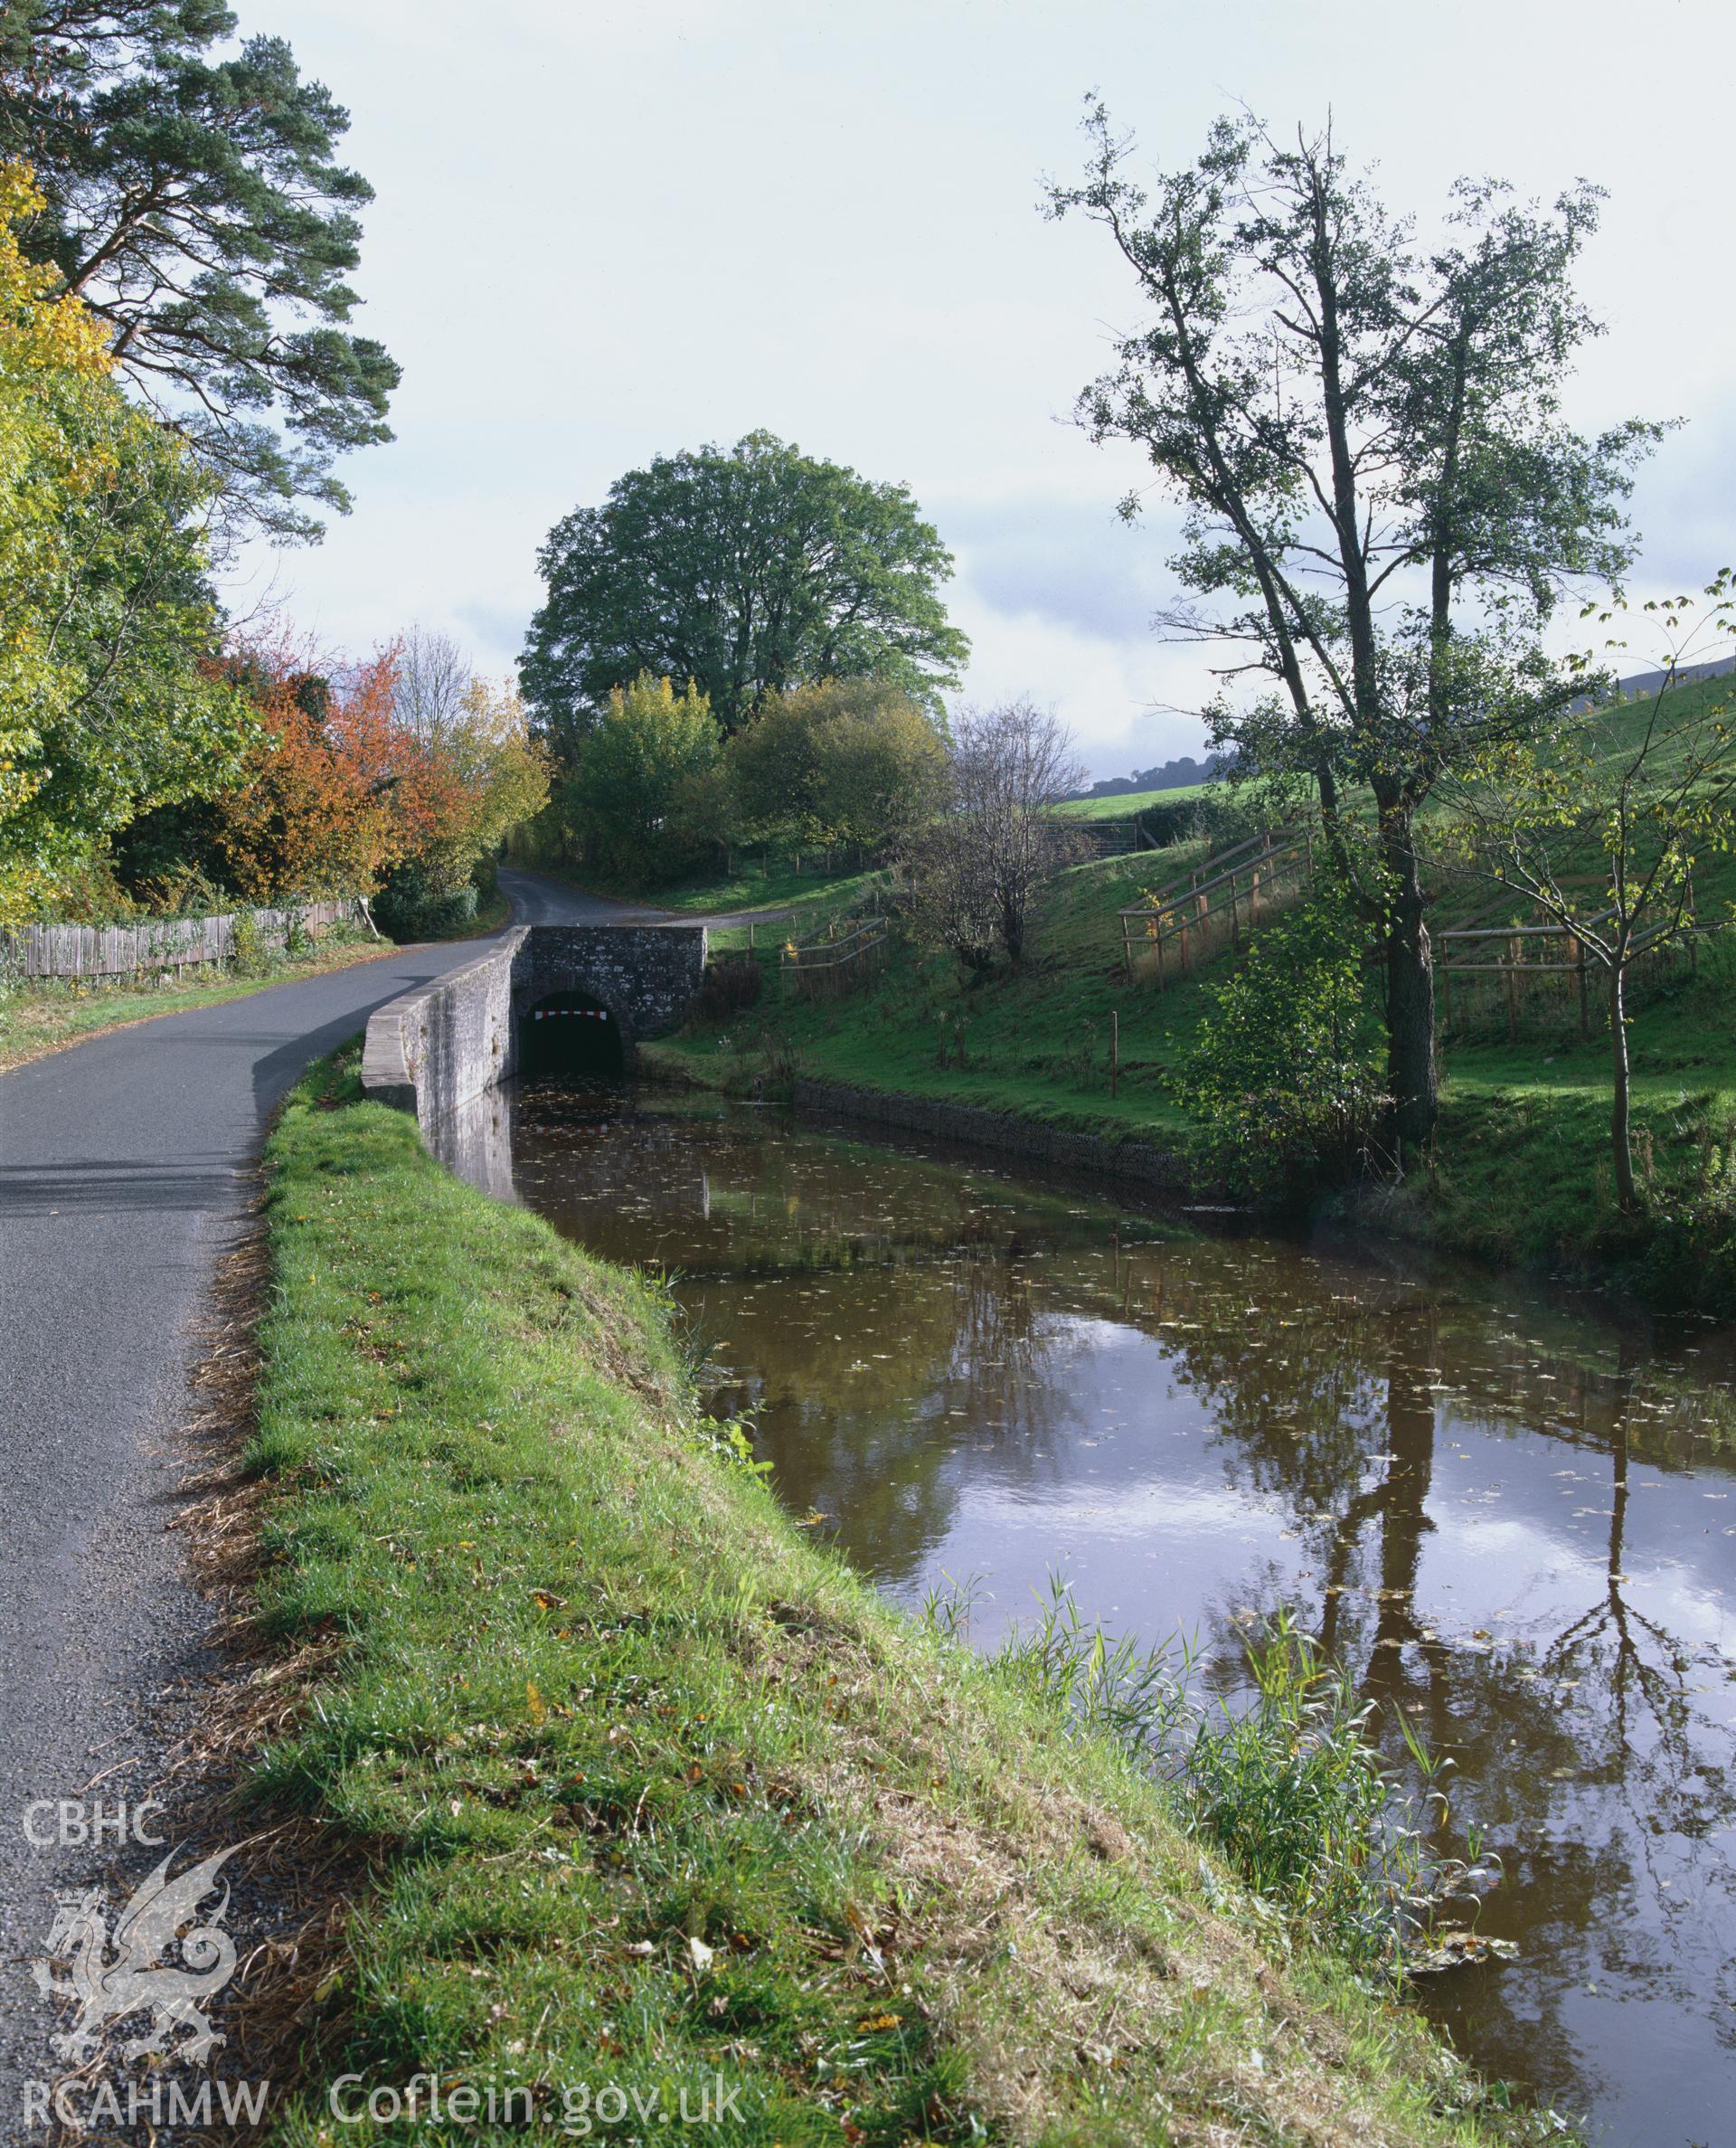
572	1033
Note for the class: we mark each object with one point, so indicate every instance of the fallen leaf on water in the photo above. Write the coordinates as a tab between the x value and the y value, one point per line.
1455	1950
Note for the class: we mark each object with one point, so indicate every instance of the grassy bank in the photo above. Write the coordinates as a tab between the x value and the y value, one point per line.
39	1018
1519	1174
775	884
1034	1041
749	888
660	1793
1125	804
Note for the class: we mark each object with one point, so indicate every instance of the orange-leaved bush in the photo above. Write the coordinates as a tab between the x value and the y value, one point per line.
343	790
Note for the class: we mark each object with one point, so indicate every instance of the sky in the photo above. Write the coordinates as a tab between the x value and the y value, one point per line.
607	232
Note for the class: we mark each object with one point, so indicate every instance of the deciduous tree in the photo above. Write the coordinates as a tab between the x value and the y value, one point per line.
748	570
312	818
974	869
1644	788
106	709
631	770
1384	501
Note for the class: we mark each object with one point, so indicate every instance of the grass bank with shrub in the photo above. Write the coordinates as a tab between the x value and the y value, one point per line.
1033	1041
1520	1175
662	1794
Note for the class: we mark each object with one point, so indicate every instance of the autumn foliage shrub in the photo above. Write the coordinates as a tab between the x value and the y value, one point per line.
343	795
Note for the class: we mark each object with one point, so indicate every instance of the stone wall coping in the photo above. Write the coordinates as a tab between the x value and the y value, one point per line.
388	1065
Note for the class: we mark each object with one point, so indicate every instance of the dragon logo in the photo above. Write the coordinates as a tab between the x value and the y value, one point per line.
109	1985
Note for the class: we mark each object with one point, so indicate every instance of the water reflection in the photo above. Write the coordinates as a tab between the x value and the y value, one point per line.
1513	1521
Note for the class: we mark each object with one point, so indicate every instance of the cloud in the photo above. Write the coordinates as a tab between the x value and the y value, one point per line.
1075	565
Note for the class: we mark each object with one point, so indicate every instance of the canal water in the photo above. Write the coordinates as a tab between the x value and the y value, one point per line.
1515	1518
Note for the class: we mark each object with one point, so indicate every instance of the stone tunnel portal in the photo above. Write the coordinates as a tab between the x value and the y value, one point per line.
572	1035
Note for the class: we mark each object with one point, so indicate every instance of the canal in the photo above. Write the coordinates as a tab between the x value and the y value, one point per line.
1512	1515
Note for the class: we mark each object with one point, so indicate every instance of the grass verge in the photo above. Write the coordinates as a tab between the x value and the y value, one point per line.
750	888
47	1018
1034	1041
661	1795
805	898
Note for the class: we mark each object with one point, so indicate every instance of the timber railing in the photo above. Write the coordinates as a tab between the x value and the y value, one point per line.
1202	913
829	966
1095	839
1536	965
157	943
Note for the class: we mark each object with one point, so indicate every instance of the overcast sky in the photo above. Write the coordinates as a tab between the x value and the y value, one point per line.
604	231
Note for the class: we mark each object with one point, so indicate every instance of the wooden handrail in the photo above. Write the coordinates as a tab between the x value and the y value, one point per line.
1270	842
1180	909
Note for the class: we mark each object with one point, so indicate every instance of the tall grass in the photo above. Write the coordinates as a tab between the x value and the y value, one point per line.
657	1791
1283	1777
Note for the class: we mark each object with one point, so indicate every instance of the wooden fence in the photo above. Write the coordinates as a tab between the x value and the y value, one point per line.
1096	839
157	943
829	967
1206	911
1494	973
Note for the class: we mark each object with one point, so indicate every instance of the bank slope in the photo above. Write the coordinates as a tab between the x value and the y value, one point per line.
661	1795
1520	1172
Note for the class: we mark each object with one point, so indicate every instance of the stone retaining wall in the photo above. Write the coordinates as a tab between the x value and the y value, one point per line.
435	1050
1161	1167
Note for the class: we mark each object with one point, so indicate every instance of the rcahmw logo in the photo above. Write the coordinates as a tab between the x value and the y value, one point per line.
158	2101
110	1976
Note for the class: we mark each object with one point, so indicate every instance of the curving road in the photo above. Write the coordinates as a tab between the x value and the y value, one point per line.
123	1169
539	900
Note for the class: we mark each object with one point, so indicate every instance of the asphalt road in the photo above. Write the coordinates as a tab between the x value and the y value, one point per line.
539	900
123	1169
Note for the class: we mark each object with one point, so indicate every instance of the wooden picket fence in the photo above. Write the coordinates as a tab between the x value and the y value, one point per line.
1206	911
99	951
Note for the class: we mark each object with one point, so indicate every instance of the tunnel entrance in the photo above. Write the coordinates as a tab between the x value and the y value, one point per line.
570	1034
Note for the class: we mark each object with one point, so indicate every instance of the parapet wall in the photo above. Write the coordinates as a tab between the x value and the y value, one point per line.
435	1050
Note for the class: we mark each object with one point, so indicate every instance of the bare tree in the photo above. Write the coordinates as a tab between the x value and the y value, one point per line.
973	871
1011	767
949	891
433	678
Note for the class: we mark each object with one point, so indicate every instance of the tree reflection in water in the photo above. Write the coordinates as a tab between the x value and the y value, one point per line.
1581	1752
963	1370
